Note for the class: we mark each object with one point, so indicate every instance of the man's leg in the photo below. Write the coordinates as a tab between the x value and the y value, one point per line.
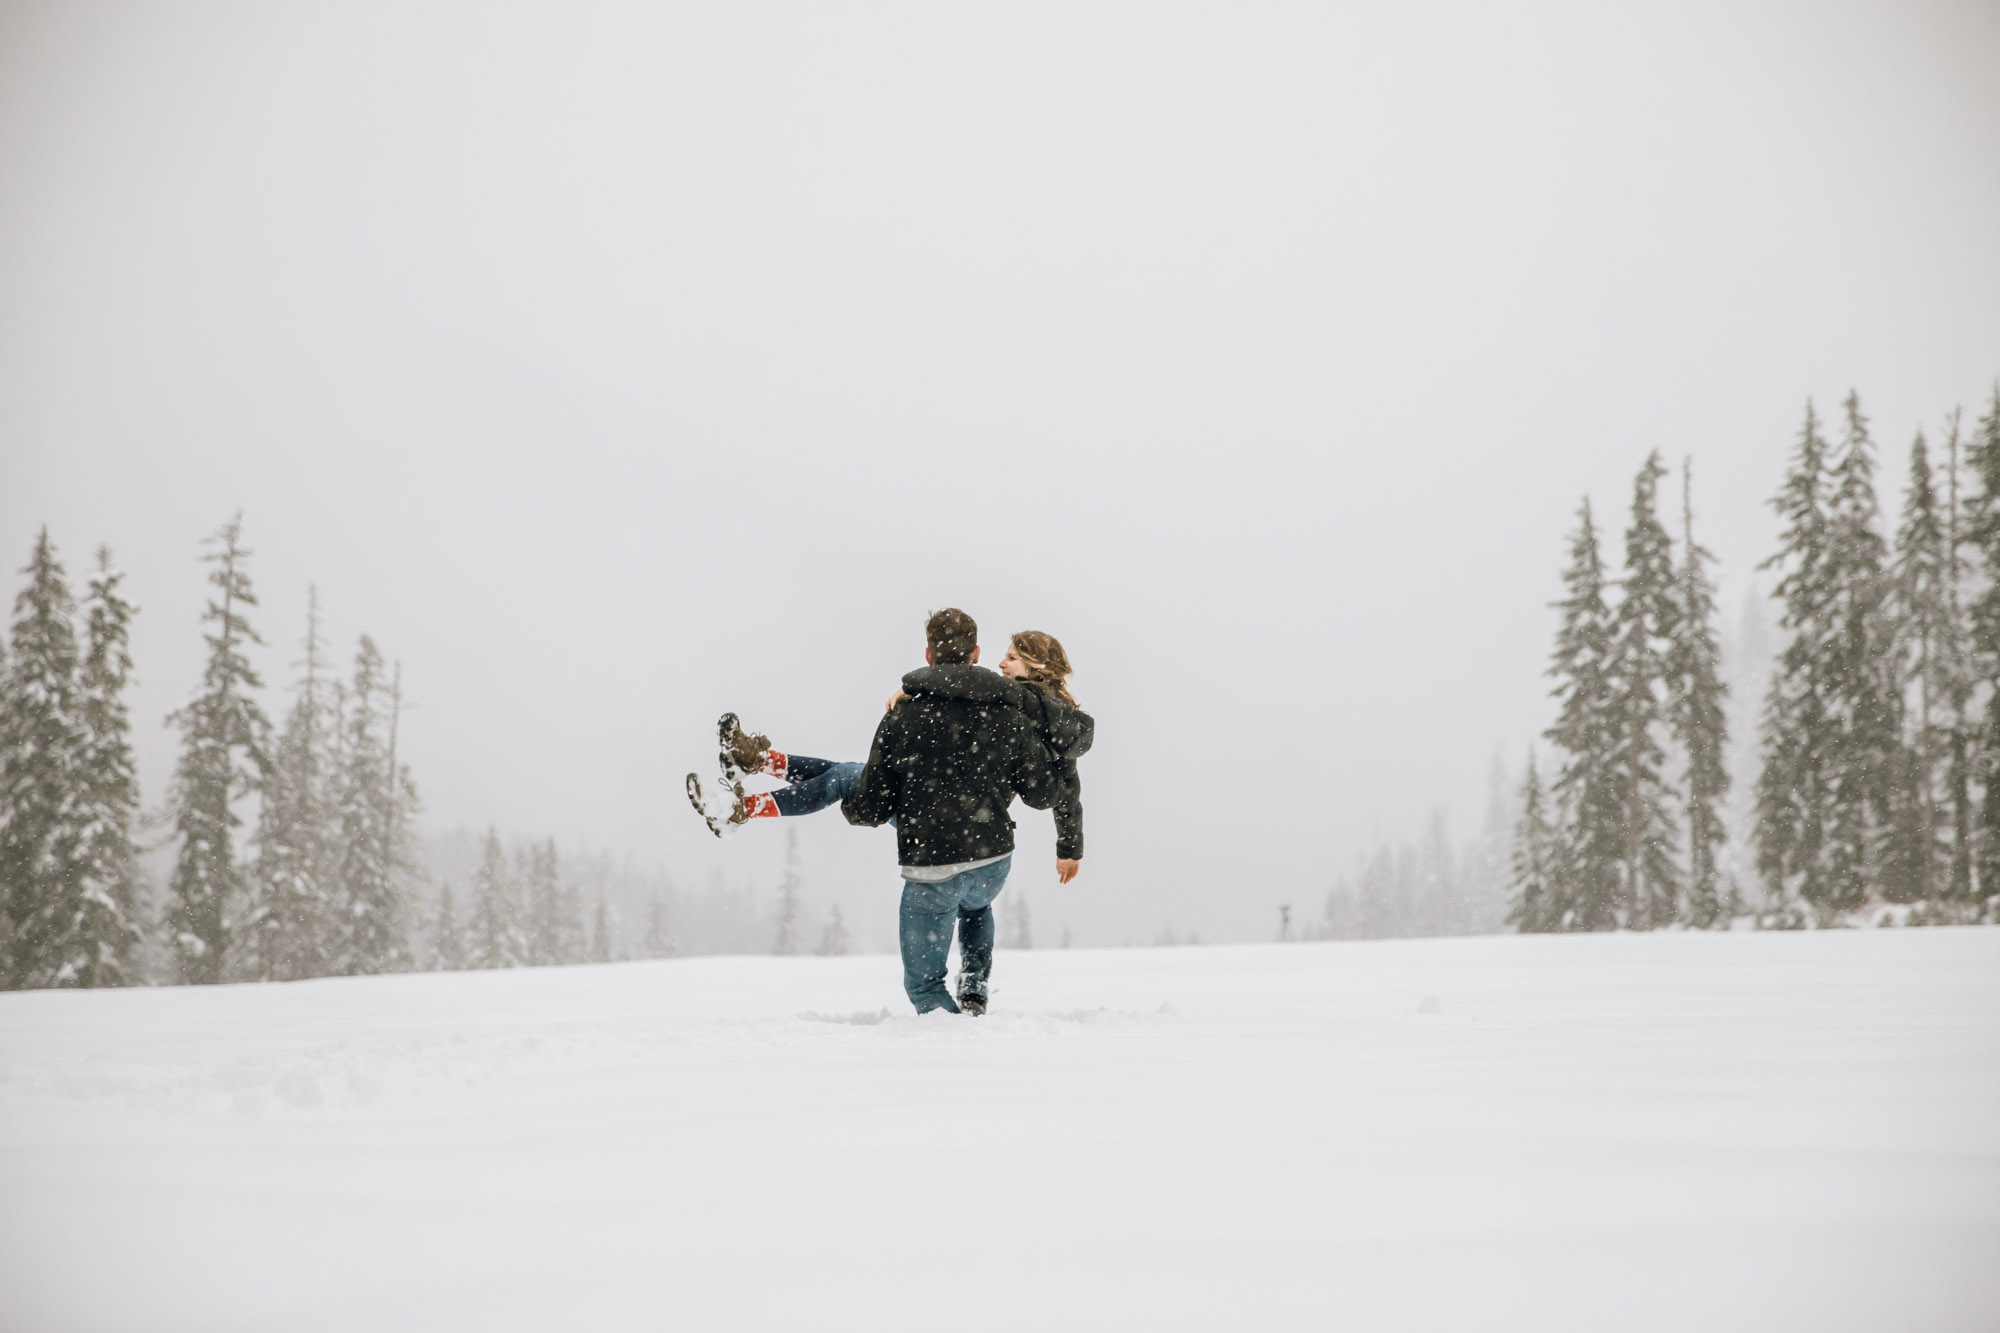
975	927
924	923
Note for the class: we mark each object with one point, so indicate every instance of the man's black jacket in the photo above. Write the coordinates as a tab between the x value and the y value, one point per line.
946	768
1067	732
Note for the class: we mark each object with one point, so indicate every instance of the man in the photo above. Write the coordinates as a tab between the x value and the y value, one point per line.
946	767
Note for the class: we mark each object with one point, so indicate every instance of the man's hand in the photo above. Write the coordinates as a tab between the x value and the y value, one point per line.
1066	870
897	698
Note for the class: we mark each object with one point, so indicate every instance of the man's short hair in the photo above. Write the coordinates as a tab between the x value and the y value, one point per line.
952	636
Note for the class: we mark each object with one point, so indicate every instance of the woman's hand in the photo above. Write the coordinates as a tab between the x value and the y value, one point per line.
897	698
1066	870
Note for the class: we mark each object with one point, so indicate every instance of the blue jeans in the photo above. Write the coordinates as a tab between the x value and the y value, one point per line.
813	784
926	920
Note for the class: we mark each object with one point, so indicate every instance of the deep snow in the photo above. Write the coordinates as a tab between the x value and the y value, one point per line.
1613	1132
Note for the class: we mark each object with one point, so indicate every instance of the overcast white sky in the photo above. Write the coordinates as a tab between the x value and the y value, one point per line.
615	364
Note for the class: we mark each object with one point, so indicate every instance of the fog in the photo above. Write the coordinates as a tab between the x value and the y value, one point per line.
617	365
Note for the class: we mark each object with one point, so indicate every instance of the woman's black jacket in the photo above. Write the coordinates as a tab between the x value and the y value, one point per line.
1065	730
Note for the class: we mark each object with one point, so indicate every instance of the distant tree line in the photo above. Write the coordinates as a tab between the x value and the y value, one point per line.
1878	795
321	886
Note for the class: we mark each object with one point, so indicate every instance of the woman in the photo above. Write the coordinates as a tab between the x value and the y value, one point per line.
1034	678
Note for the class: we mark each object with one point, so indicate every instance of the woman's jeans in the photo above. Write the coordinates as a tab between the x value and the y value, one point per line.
926	921
814	784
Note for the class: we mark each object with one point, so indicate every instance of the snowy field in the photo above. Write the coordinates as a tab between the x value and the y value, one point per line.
1604	1133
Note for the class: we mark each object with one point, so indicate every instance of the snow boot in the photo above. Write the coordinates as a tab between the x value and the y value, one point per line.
720	807
742	753
972	1002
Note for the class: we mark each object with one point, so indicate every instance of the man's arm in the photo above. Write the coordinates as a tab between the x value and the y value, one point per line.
1032	773
873	801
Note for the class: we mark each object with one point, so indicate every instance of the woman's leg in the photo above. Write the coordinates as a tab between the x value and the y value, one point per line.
815	784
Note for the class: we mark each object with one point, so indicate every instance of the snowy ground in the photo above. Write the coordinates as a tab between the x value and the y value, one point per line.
1604	1133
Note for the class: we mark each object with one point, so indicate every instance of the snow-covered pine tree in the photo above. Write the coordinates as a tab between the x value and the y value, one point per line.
1697	712
1982	534
1017	930
497	935
834	939
105	948
223	747
1589	800
42	752
372	797
292	929
1961	686
600	932
1538	903
1794	787
786	941
1643	631
1917	856
447	939
573	940
541	890
658	941
1859	677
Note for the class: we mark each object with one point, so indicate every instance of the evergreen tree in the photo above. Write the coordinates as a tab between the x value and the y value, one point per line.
1644	628
1982	533
834	939
1017	929
1535	883
497	934
787	939
1793	787
448	953
373	797
223	750
295	925
600	932
1927	667
104	949
42	755
1699	720
1590	801
1859	678
542	892
658	941
1960	687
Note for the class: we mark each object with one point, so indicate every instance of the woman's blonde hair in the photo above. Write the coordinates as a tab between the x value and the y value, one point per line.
1047	663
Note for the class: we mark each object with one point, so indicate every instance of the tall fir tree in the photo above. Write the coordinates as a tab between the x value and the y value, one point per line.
42	753
448	953
658	941
105	947
834	940
1860	686
1699	717
496	936
1590	802
1962	685
1926	666
786	940
543	892
374	796
1982	534
294	924
601	949
1538	902
223	749
1796	733
1644	628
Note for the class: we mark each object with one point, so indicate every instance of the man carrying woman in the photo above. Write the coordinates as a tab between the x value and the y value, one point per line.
957	745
